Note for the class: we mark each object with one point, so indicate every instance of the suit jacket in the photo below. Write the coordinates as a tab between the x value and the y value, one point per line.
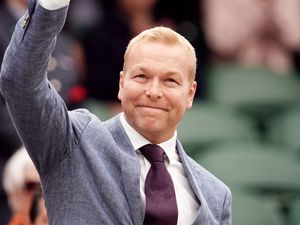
89	169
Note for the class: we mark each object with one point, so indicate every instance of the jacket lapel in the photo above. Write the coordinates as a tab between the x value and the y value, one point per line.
130	169
195	178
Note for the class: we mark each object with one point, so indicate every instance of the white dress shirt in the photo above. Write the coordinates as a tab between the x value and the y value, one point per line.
186	200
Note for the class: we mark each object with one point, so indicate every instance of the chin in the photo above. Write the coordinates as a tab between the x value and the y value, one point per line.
149	126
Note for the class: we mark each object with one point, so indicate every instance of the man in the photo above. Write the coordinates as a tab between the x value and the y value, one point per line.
95	172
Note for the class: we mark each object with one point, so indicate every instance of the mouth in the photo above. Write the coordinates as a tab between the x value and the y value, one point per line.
152	108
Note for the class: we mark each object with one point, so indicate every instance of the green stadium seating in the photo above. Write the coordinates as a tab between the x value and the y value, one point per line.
257	90
206	124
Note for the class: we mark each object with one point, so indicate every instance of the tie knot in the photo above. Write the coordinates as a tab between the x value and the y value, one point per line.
153	153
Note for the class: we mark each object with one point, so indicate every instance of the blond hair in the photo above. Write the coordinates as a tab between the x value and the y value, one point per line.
166	36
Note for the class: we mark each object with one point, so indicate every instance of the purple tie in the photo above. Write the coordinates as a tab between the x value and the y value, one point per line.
161	206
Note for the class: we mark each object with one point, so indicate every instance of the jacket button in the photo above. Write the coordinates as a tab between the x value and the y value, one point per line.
25	22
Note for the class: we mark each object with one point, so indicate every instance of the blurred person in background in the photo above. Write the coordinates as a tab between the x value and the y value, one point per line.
38	212
20	181
83	16
10	12
253	32
66	65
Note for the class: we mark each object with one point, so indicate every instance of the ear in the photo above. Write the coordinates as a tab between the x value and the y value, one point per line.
191	94
121	86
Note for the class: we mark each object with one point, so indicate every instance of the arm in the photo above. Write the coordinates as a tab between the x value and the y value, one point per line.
36	109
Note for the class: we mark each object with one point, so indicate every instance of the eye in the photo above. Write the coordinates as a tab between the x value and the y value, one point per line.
172	81
140	76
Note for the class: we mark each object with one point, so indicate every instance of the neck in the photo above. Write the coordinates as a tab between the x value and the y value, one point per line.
157	137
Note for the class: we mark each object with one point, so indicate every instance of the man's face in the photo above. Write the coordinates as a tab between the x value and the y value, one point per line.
155	89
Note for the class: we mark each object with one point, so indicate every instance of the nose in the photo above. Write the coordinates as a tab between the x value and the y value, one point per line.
153	90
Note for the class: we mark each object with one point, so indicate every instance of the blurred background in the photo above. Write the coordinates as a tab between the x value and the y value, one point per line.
244	126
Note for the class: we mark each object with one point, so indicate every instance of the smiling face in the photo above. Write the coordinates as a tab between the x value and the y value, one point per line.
156	88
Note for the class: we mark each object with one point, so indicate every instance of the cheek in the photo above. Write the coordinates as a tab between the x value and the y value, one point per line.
124	94
179	100
131	92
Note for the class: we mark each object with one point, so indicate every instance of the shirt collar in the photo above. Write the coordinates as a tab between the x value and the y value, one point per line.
137	140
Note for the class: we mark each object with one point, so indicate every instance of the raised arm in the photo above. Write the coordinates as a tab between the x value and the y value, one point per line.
38	112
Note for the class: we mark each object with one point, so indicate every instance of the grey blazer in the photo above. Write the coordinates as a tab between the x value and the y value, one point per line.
89	169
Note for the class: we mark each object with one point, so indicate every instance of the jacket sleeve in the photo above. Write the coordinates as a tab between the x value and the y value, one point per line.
38	112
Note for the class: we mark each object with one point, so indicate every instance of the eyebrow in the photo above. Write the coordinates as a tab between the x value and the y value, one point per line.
145	70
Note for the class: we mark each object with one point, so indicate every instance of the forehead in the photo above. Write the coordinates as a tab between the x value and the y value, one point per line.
151	46
157	54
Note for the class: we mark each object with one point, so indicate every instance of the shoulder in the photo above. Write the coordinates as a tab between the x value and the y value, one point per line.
208	180
200	174
215	192
114	126
83	119
216	195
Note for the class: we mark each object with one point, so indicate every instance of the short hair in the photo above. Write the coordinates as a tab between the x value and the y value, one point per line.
13	176
168	36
